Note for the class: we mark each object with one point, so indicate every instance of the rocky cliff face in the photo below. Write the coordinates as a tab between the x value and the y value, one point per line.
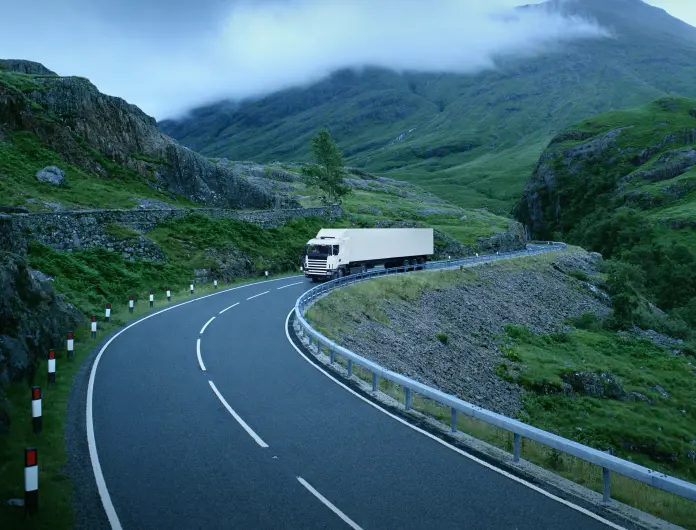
92	130
642	159
33	318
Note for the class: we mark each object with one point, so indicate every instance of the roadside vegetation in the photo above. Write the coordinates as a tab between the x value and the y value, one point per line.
589	380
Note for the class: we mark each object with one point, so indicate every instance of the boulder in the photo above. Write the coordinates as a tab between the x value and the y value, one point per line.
595	385
52	175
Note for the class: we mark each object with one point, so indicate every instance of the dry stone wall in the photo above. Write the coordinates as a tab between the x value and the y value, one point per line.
73	230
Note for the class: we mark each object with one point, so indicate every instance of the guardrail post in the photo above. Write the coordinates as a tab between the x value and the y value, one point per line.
606	478
350	368
374	381
407	391
517	440
332	356
454	419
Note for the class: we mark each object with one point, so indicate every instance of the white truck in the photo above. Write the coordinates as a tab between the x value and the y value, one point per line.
335	253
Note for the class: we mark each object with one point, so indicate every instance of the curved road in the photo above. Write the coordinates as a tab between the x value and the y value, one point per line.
288	448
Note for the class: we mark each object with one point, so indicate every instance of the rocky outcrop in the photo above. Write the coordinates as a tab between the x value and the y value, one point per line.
33	319
540	205
568	179
95	131
21	66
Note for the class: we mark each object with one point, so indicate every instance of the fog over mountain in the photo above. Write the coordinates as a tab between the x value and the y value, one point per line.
169	56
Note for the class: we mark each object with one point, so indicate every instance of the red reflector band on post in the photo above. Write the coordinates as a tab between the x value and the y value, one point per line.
108	306
36	392
94	319
70	335
31	457
130	298
51	354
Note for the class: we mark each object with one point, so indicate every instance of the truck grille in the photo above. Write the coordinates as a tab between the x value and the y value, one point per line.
316	266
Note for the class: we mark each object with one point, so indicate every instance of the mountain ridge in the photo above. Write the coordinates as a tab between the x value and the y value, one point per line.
474	138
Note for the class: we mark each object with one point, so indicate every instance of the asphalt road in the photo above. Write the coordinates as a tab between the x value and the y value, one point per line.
174	456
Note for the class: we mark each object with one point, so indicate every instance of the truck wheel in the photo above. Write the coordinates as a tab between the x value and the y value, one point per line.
363	268
341	272
421	261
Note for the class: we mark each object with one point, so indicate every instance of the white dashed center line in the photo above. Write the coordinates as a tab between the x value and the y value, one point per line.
248	429
257	295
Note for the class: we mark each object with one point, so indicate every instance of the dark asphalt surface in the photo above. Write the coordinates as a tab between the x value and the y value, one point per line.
173	457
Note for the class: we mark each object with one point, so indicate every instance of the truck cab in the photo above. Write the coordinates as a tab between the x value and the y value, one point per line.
323	257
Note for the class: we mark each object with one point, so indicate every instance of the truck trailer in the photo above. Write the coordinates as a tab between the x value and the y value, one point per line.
335	253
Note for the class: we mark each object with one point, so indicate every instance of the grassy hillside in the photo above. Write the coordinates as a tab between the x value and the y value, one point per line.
473	139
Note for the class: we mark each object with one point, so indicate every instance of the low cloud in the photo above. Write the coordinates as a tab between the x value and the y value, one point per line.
257	47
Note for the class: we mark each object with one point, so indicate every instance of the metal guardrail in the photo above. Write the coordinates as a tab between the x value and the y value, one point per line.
607	461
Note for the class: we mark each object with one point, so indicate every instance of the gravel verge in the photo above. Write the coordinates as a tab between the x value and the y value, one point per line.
449	338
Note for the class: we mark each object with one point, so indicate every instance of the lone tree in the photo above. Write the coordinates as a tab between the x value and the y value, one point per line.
327	173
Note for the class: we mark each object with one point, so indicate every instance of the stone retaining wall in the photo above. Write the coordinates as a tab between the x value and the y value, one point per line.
79	229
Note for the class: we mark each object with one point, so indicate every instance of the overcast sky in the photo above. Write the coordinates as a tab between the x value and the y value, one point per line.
167	56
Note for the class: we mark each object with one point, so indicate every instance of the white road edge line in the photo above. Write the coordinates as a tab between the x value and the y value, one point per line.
248	429
443	442
257	295
286	286
198	354
206	325
89	413
324	500
233	305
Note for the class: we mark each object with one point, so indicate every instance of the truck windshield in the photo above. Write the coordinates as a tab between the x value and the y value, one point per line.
318	250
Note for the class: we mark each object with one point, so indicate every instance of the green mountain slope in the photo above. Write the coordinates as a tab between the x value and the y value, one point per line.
624	184
471	138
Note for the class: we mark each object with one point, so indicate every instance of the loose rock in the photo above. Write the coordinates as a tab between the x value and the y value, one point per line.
52	175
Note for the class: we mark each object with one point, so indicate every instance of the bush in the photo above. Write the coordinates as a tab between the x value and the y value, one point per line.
442	337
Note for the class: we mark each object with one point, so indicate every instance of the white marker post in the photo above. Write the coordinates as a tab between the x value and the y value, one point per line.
36	408
266	275
215	283
71	345
94	327
51	367
108	312
31	479
130	304
191	288
169	295
152	298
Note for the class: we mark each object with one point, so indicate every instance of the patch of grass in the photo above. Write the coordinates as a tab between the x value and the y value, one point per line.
274	249
24	155
56	489
119	231
442	337
579	275
337	312
19	82
647	434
